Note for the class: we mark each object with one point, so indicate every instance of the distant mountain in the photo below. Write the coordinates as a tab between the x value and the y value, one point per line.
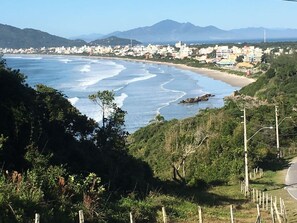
12	37
169	31
114	41
166	31
172	31
88	37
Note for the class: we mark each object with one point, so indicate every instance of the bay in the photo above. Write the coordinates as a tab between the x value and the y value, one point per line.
142	89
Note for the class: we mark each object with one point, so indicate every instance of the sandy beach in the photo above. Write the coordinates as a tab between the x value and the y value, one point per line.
232	79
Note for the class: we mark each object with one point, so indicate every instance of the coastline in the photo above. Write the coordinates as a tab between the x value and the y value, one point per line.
232	79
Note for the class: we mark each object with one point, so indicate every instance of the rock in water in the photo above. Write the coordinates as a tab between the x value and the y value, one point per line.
197	99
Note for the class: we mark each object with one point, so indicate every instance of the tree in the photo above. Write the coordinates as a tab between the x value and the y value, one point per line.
239	59
2	62
158	118
111	135
105	100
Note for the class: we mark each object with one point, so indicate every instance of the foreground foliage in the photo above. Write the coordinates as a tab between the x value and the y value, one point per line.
56	160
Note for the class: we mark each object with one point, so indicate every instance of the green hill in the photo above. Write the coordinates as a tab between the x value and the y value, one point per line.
114	41
12	37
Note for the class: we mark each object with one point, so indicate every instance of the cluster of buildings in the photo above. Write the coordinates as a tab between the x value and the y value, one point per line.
246	56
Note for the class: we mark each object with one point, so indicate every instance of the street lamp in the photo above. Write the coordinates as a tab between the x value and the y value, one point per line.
246	169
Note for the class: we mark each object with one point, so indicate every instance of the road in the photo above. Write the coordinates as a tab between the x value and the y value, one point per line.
291	180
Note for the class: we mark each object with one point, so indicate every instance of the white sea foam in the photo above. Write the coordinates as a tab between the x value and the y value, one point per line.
120	99
32	58
85	68
92	77
23	57
179	93
142	78
65	60
12	57
73	101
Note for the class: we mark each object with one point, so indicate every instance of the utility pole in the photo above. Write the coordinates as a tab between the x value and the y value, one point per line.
246	170
277	133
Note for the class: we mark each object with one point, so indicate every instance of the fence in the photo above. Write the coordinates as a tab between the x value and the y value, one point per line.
276	206
165	217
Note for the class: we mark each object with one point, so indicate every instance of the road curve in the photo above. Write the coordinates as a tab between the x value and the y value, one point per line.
291	180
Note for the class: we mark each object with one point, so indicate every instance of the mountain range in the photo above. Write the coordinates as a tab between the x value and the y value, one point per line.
166	31
172	31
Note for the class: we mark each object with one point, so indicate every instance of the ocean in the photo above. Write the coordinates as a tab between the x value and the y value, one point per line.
142	89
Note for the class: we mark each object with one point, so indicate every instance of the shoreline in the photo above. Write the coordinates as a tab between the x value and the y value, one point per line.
231	79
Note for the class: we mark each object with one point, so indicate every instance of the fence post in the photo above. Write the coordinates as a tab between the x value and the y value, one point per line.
257	195
272	213
200	214
241	186
271	202
131	217
81	216
263	201
285	211
281	206
277	213
267	198
37	218
231	214
258	214
254	195
164	215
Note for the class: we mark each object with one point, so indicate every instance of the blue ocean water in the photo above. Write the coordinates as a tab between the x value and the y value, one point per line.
141	89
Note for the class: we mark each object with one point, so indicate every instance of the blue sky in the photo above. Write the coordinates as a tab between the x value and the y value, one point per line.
69	18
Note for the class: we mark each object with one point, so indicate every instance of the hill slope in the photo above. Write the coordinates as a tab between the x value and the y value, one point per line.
114	41
12	37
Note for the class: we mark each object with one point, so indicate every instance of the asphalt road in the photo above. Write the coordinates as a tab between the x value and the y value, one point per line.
291	180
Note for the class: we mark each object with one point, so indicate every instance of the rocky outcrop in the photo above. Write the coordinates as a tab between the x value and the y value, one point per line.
204	97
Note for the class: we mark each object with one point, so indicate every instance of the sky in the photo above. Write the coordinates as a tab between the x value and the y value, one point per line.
69	18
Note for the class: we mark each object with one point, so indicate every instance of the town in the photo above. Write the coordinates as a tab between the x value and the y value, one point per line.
231	56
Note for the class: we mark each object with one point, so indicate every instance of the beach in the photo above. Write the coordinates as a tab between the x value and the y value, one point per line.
232	79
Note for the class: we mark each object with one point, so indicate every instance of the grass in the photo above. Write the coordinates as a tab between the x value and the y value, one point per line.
182	203
182	206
